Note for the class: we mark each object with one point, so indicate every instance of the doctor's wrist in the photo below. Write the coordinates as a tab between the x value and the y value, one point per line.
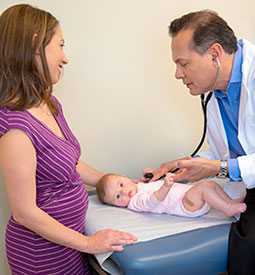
223	171
216	167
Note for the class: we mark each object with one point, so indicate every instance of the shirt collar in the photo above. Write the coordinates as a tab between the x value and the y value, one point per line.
236	74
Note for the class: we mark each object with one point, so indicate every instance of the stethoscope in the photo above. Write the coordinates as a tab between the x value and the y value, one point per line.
204	103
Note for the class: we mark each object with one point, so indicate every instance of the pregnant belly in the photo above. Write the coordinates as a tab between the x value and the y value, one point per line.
69	207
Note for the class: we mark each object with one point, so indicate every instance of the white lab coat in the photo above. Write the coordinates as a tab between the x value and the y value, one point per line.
216	135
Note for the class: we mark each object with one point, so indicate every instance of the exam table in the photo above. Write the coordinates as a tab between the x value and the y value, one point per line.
202	251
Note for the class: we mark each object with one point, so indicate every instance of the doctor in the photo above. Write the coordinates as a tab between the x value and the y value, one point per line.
208	57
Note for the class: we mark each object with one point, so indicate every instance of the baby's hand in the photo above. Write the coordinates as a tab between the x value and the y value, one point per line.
168	180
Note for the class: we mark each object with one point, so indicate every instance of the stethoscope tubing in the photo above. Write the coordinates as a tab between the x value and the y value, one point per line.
204	103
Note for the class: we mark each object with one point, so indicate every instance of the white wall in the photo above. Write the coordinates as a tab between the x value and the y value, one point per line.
118	91
4	213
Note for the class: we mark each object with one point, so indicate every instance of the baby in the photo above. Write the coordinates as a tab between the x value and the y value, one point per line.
166	196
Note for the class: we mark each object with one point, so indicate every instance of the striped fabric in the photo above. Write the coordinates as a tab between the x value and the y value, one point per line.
60	193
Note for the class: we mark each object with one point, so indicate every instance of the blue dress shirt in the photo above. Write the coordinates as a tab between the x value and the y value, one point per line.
229	102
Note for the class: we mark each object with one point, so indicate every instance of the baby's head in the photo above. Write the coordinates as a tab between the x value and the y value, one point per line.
116	190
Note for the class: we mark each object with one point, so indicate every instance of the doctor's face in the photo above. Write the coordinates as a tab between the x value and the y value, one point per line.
197	71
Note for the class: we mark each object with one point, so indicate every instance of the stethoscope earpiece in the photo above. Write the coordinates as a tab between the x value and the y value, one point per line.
218	62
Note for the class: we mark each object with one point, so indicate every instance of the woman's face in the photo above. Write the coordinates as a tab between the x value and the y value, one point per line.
55	55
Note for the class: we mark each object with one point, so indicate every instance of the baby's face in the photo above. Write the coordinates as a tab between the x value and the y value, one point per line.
120	190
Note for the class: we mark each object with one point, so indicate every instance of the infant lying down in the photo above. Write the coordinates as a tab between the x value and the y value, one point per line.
166	196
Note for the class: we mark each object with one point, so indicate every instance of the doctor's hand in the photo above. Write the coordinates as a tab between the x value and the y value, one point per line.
108	240
196	168
164	168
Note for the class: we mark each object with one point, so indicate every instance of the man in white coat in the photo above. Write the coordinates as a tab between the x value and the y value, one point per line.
208	57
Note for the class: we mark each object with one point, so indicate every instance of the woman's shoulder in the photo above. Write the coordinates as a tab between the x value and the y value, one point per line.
3	121
11	116
10	119
57	103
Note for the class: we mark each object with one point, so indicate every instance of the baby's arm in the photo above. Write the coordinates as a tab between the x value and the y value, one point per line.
162	192
147	201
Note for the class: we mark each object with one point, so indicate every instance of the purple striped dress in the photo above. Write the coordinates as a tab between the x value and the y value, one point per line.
60	193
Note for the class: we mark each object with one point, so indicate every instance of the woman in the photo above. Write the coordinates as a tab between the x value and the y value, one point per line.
39	159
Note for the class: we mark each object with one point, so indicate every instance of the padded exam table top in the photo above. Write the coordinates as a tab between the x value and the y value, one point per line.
200	252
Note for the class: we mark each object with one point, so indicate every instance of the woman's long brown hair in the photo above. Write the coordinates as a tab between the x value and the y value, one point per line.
25	31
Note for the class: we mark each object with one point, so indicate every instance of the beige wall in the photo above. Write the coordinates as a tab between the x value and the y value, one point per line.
119	92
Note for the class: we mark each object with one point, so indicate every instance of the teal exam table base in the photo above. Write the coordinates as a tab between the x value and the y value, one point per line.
199	252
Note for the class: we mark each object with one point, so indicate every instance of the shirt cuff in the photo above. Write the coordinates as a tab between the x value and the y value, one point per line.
234	170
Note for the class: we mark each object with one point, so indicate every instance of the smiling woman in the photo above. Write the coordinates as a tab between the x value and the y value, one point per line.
55	55
40	157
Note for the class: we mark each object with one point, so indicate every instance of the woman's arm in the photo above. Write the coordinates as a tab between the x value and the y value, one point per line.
18	167
89	175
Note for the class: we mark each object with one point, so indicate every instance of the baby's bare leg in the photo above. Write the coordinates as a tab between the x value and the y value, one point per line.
226	197
215	196
193	199
222	193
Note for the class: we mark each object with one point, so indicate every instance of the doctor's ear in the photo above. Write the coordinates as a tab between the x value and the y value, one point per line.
216	51
216	60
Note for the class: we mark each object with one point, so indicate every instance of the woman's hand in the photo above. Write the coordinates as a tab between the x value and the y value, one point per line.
196	169
108	240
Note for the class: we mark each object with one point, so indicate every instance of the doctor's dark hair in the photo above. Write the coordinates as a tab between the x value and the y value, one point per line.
25	79
208	28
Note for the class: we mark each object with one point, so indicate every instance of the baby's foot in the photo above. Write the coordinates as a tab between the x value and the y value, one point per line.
235	209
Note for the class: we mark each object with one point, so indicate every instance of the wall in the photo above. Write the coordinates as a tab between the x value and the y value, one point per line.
119	93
